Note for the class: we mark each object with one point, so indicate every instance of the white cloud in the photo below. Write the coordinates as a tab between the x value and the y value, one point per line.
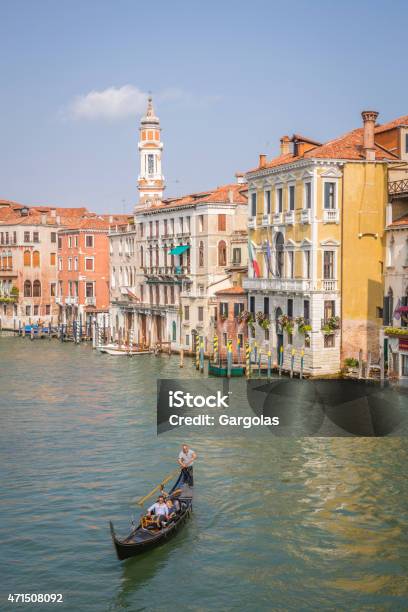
110	103
128	101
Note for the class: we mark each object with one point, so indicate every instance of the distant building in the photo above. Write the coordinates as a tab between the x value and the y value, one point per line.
232	305
184	250
316	218
28	261
83	269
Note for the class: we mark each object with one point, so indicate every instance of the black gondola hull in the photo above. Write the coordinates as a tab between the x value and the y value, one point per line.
141	540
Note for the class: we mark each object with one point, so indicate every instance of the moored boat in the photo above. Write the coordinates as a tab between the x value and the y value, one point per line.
116	351
142	539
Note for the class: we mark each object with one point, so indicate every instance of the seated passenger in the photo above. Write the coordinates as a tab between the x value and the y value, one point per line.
171	509
158	510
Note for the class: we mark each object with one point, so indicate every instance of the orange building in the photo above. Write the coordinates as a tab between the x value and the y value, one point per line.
231	321
83	270
28	262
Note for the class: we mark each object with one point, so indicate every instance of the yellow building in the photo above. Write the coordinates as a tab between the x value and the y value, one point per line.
316	227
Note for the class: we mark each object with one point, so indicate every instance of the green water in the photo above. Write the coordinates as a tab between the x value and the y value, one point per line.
278	523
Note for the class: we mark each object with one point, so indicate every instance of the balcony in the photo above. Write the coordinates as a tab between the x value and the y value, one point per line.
71	300
277	284
290	217
252	223
265	220
398	187
59	300
90	301
329	285
305	216
277	218
183	234
7	272
331	215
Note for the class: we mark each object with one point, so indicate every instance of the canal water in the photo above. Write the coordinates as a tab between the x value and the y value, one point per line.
278	523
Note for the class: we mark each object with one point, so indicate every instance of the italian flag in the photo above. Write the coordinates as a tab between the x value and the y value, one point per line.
252	259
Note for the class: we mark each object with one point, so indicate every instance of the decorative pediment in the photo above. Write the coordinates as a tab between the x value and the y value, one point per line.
307	174
330	242
306	243
290	244
332	172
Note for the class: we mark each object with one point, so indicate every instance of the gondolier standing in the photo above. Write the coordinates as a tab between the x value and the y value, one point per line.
186	459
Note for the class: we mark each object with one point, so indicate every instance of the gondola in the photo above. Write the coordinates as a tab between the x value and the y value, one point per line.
141	539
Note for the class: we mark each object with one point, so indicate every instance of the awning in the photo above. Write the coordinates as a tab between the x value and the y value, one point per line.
178	250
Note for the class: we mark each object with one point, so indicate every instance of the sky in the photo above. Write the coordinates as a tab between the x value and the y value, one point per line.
228	79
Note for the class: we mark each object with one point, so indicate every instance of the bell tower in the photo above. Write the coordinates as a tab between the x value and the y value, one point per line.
151	180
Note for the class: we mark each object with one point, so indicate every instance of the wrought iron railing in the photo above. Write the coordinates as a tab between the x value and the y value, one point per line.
398	187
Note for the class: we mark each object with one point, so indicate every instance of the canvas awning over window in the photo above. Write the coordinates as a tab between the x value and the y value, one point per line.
178	250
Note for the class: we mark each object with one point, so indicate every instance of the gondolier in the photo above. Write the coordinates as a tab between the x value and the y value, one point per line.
186	459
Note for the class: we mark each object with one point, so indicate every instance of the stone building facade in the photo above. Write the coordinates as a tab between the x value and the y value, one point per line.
313	212
183	251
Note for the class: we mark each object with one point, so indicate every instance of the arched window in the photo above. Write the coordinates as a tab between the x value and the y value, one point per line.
27	288
222	253
9	262
141	257
36	259
201	254
174	331
279	254
157	256
27	258
3	260
36	288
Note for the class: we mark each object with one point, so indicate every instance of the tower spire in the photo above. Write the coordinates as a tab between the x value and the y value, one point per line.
151	180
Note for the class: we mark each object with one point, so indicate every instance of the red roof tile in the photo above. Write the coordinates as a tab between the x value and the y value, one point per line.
237	192
231	291
402	221
349	146
400	121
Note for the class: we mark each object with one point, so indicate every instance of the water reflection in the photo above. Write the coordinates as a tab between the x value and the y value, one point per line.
278	523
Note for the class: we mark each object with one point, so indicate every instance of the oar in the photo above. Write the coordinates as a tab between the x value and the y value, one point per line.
142	500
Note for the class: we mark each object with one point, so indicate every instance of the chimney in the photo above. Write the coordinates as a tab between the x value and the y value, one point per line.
58	220
43	218
284	145
53	212
262	160
110	218
240	176
369	118
230	196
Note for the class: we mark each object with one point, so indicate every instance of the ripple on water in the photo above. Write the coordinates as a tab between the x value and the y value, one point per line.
278	523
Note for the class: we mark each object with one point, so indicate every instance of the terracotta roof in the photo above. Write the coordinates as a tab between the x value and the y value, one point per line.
79	218
238	192
349	146
231	291
399	222
91	223
400	121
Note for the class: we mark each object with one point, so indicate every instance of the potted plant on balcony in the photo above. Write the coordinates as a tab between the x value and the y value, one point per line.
303	327
331	325
286	323
263	320
396	331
